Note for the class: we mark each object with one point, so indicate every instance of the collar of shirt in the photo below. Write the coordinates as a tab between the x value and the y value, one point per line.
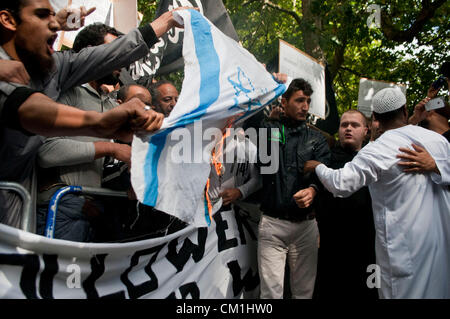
91	90
293	125
4	55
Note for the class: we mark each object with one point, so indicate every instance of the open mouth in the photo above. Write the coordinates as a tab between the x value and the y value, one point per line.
50	42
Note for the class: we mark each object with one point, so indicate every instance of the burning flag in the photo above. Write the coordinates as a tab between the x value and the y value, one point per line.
222	81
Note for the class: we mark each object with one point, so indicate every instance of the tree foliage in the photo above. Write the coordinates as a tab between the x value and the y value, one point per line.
409	48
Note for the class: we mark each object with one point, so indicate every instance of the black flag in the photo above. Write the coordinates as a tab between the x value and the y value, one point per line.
166	56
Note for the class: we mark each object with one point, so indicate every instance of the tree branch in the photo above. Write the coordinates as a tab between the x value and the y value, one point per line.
272	5
353	72
426	13
338	59
246	3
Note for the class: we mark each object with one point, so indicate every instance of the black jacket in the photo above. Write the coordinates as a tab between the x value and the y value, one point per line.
347	235
297	144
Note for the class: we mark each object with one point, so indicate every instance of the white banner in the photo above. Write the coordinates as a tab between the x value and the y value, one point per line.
214	262
368	88
297	64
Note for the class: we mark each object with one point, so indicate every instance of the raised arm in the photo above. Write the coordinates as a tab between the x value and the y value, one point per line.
93	63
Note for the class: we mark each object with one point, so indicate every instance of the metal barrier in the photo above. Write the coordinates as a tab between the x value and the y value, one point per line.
27	209
53	206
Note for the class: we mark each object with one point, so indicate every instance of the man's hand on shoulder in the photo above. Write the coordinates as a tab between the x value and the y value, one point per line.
417	160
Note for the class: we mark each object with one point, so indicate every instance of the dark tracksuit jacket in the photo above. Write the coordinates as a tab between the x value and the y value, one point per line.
297	144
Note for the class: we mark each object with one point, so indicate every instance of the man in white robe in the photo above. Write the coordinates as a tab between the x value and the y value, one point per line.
411	211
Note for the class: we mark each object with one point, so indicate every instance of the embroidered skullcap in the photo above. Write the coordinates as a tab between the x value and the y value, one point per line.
387	100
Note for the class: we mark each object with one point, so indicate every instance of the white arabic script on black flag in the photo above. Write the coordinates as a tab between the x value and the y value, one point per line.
166	55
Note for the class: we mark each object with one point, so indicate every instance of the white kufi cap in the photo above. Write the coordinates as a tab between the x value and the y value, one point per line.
387	100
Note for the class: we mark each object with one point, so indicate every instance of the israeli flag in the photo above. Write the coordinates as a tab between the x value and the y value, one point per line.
224	84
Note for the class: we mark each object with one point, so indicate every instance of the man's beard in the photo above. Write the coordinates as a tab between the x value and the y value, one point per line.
36	65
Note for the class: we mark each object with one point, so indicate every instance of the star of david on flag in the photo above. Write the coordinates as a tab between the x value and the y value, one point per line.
224	85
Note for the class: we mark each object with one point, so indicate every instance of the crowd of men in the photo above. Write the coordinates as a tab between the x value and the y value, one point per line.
327	213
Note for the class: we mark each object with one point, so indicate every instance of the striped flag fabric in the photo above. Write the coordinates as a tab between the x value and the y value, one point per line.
224	85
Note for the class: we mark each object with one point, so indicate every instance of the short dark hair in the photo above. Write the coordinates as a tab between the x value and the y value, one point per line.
389	117
298	85
93	35
445	69
14	7
123	91
154	90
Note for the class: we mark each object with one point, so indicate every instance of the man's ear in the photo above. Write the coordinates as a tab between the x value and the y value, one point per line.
283	103
405	112
8	21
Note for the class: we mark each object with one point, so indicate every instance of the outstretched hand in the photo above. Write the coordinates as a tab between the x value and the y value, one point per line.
280	77
167	21
128	118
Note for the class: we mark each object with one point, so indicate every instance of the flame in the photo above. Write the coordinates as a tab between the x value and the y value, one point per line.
215	159
208	200
216	155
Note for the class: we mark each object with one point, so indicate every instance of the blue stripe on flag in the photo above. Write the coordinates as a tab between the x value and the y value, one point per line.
208	220
209	63
154	151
